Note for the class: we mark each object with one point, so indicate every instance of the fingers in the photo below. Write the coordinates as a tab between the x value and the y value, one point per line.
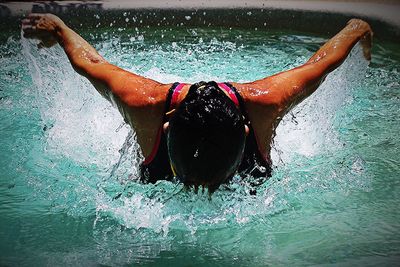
26	21
28	26
30	31
35	16
32	19
359	23
354	20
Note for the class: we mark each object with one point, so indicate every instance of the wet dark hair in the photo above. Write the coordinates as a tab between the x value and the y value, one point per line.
206	137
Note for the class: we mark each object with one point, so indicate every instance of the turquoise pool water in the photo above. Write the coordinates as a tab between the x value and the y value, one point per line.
68	189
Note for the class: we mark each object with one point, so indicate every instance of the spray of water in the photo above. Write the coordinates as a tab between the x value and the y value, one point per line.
79	124
308	129
82	128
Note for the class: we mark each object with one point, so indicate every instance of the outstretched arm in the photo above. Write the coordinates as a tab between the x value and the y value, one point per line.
290	87
140	100
108	79
269	99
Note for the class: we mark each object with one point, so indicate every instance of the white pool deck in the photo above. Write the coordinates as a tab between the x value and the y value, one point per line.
386	10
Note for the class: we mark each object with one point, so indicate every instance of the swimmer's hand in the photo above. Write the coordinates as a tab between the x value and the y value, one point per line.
43	27
358	25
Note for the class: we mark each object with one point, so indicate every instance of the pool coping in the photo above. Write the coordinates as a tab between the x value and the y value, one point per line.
316	16
386	11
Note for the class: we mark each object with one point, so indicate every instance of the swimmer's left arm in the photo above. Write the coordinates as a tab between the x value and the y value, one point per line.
286	89
302	81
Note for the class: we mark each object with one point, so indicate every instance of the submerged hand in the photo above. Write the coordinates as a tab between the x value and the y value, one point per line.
43	27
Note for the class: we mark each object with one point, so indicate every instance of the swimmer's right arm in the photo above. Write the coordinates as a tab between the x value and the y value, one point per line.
140	100
107	78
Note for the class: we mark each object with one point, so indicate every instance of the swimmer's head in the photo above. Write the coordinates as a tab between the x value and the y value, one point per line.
206	137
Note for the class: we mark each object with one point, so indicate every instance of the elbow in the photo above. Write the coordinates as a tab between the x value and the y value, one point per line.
87	68
84	62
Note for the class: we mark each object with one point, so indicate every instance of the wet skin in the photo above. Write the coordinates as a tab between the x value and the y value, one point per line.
141	100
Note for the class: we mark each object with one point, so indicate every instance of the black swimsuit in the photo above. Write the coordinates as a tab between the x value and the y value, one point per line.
157	166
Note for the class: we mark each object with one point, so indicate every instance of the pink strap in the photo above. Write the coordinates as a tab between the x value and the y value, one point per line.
230	93
175	95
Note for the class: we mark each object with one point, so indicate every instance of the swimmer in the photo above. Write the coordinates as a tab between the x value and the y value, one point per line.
202	133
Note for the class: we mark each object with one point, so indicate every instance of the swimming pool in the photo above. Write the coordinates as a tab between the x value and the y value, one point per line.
69	194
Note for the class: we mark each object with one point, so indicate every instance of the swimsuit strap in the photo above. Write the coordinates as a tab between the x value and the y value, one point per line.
157	165
170	102
237	98
176	90
241	105
231	92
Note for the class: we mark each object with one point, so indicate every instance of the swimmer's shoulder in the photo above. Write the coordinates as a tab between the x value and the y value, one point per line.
141	94
261	93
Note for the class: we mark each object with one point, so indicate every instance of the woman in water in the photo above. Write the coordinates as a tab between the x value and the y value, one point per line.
201	133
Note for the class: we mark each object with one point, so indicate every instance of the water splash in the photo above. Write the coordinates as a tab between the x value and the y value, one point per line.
84	130
78	123
309	129
336	203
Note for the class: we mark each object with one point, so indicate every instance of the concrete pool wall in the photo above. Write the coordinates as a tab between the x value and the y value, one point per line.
322	17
